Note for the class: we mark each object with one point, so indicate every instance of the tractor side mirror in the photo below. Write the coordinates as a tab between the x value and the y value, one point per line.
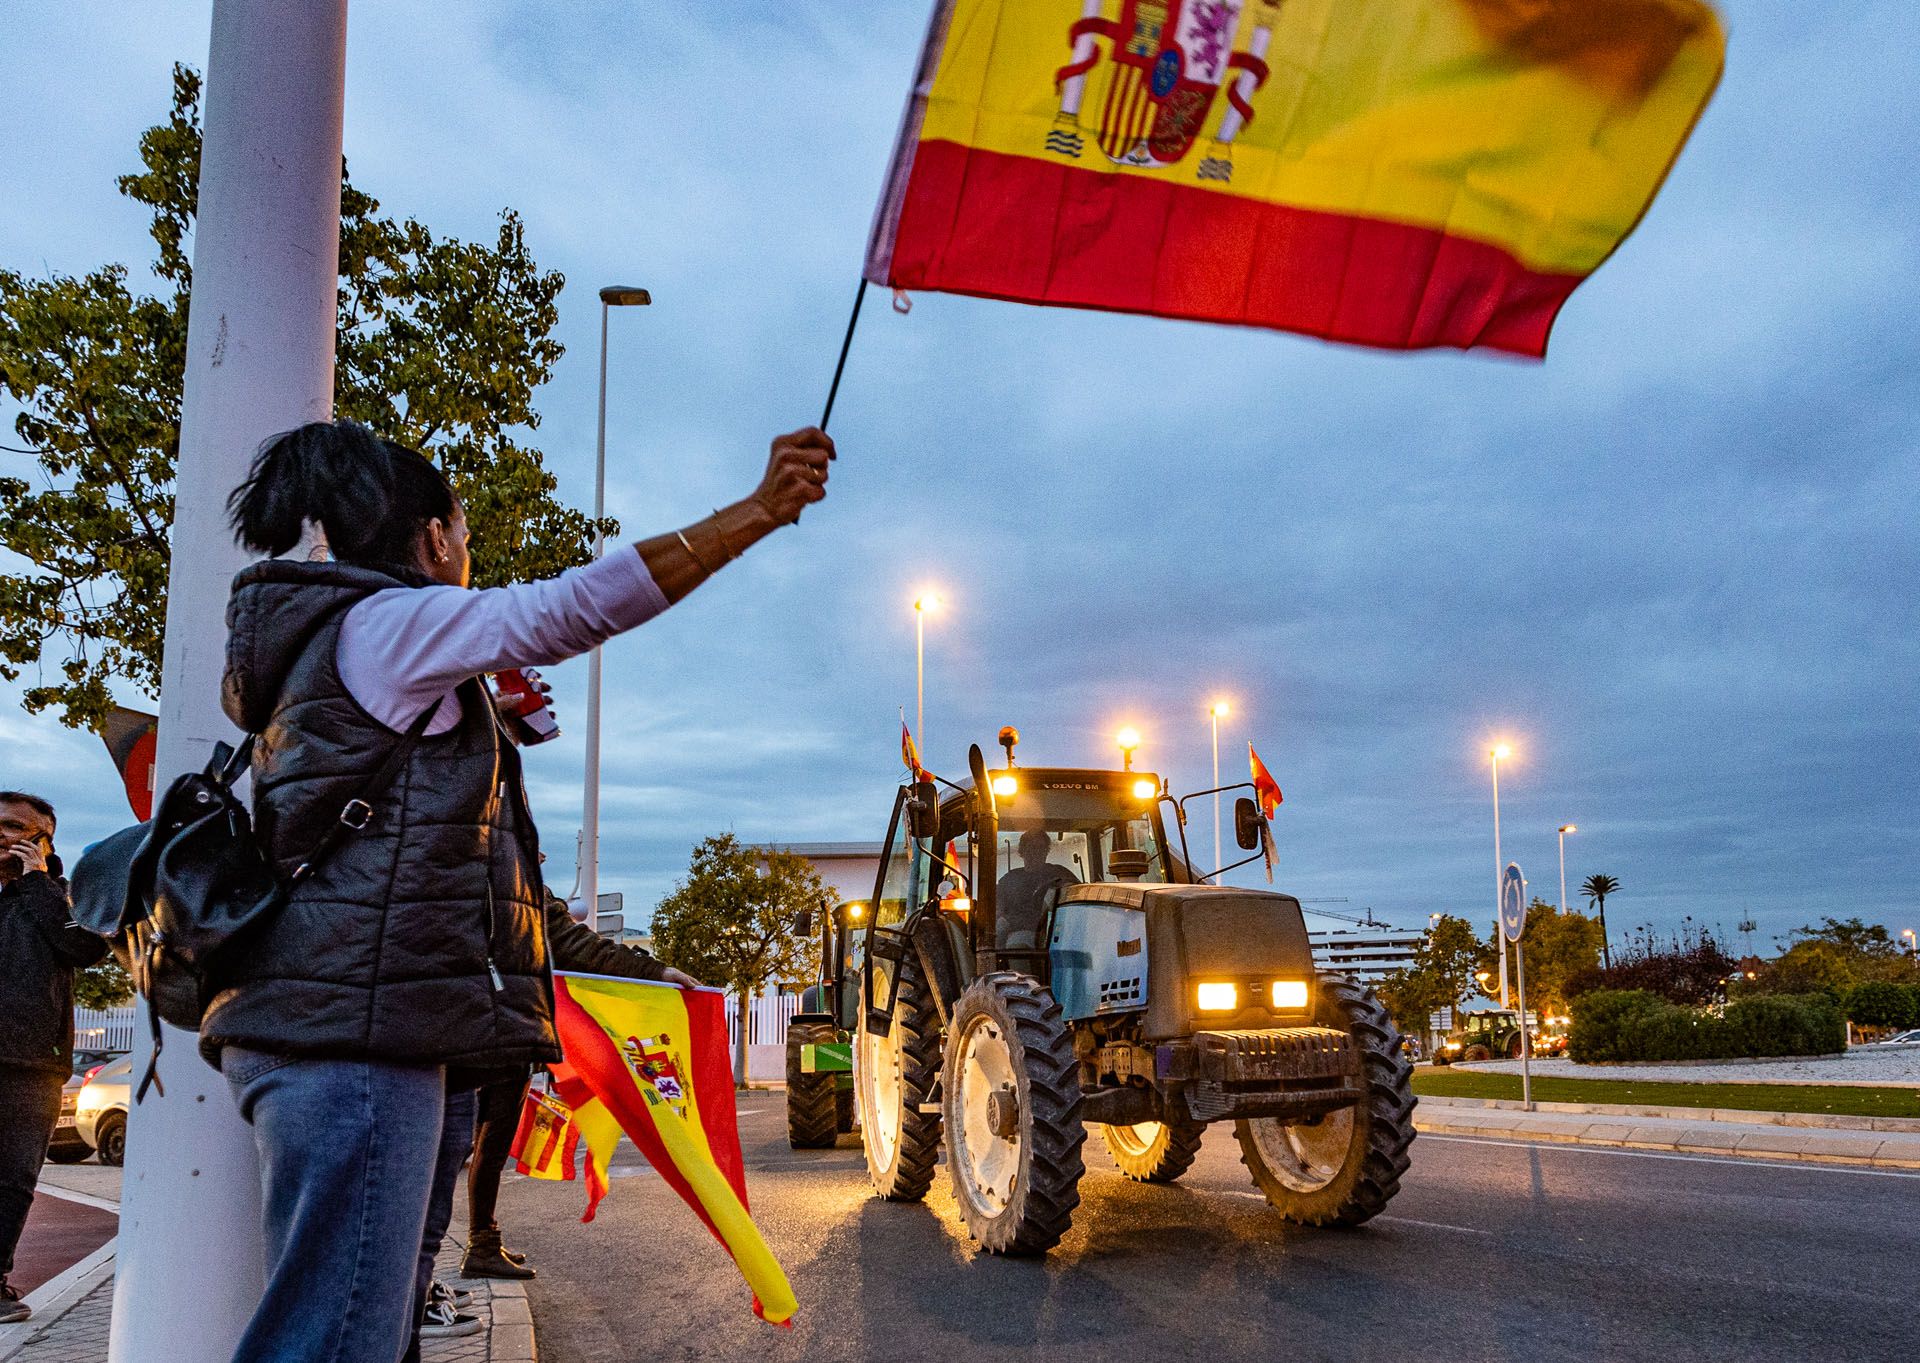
923	811
1246	824
803	923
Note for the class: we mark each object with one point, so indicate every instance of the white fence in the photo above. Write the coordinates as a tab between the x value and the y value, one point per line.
111	1029
106	1029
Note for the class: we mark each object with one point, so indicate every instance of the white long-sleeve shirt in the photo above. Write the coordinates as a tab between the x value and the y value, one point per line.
404	648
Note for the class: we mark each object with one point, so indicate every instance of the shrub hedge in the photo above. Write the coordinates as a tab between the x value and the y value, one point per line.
1633	1024
1881	1004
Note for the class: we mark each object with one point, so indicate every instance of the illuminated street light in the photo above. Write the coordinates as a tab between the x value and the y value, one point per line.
922	604
1215	712
1565	829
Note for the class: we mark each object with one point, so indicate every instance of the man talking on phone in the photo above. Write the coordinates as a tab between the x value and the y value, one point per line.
40	948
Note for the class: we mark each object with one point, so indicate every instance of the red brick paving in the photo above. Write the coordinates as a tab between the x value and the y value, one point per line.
59	1234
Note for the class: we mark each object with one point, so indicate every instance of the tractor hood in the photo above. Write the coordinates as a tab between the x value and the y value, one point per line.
1195	933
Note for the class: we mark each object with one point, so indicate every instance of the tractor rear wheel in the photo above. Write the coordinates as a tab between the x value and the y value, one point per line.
812	1118
1476	1053
1154	1152
1342	1168
1012	1098
893	1077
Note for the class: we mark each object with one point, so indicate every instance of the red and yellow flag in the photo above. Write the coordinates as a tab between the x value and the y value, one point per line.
650	1060
910	751
1398	173
1265	789
547	1141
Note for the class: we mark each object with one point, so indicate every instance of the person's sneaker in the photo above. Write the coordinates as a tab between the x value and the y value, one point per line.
441	1321
440	1291
11	1307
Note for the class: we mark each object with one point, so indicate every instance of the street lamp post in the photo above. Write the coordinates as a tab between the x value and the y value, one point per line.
1128	739
1912	949
611	297
922	603
1498	751
1565	829
1214	712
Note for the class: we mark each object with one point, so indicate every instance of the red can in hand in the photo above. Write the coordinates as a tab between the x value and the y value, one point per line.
524	708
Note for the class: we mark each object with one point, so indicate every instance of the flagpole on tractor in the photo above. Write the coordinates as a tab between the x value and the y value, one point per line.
846	344
259	359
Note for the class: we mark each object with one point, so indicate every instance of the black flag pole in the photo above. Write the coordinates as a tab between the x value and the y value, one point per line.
845	345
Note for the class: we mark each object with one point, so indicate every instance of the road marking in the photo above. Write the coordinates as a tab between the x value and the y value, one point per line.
1745	1163
84	1199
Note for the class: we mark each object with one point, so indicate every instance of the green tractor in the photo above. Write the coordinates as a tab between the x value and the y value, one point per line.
1037	960
1490	1034
819	1051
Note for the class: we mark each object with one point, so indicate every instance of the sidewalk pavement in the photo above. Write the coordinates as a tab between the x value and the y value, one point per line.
73	1310
1765	1135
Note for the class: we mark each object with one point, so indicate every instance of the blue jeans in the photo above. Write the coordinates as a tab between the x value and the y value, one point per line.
456	1143
346	1167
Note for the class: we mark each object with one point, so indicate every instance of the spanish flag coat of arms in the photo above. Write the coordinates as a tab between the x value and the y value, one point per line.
1396	173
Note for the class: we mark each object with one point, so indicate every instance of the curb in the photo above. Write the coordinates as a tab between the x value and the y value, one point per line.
57	1296
1742	1116
1858	1148
511	1339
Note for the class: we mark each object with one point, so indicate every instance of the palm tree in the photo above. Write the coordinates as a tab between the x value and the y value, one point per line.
1596	889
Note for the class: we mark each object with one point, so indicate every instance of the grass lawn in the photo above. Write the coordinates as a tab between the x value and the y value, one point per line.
1855	1102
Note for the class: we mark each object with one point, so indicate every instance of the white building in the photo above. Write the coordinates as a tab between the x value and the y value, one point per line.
849	868
1367	954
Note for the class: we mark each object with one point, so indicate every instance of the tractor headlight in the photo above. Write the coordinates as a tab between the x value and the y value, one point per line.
1005	785
1144	789
1290	996
1218	996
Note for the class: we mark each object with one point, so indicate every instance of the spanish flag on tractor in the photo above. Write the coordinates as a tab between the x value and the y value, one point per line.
1397	173
650	1060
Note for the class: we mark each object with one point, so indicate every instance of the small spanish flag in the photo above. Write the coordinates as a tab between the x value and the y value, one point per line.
1265	789
909	751
547	1141
650	1060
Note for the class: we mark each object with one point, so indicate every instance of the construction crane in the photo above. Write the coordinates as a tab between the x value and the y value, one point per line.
1367	922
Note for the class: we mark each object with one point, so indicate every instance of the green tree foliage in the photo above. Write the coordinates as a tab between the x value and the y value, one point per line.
1834	957
102	985
441	345
1880	1003
1440	976
1559	948
731	922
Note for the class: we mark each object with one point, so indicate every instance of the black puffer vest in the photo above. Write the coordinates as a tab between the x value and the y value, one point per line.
421	938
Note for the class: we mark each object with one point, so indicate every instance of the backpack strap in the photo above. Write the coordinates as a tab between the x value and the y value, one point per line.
356	813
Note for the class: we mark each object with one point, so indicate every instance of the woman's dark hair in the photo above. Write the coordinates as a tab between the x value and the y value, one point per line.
371	496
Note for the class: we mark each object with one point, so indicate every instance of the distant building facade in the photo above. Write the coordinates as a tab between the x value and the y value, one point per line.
1367	954
850	869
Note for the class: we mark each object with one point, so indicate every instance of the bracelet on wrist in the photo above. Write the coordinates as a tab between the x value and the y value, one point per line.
687	544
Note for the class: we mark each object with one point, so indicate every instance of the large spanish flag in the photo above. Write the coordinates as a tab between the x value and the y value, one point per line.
651	1060
1399	173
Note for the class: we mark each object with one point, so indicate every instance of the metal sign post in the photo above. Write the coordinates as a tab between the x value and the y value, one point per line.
1513	922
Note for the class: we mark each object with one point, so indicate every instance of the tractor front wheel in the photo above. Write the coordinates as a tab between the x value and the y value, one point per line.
1154	1152
1342	1168
1012	1098
812	1116
893	1077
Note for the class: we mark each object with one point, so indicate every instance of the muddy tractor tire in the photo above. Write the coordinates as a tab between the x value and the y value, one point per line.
1343	1168
1476	1053
812	1100
843	1110
1513	1048
1154	1152
894	1076
1011	1094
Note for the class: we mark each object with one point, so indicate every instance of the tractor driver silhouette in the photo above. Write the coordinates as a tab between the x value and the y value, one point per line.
1022	891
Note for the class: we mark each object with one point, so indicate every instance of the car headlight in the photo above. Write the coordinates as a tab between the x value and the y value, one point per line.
1290	995
1218	996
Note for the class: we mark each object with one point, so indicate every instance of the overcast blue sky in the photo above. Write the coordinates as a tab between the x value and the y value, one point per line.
1674	565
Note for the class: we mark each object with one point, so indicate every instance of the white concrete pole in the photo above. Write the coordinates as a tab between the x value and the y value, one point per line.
1213	713
260	340
590	808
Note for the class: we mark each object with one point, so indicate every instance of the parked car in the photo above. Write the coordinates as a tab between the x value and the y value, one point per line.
1910	1037
100	1115
68	1145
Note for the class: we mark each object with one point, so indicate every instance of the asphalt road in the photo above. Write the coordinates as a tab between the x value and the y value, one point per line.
1492	1251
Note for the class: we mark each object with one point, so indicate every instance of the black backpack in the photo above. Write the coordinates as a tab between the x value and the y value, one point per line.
177	895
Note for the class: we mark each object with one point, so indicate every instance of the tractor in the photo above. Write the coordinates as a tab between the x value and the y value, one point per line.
819	1052
1037	959
1490	1034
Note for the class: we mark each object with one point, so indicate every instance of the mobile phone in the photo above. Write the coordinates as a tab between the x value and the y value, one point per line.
527	715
